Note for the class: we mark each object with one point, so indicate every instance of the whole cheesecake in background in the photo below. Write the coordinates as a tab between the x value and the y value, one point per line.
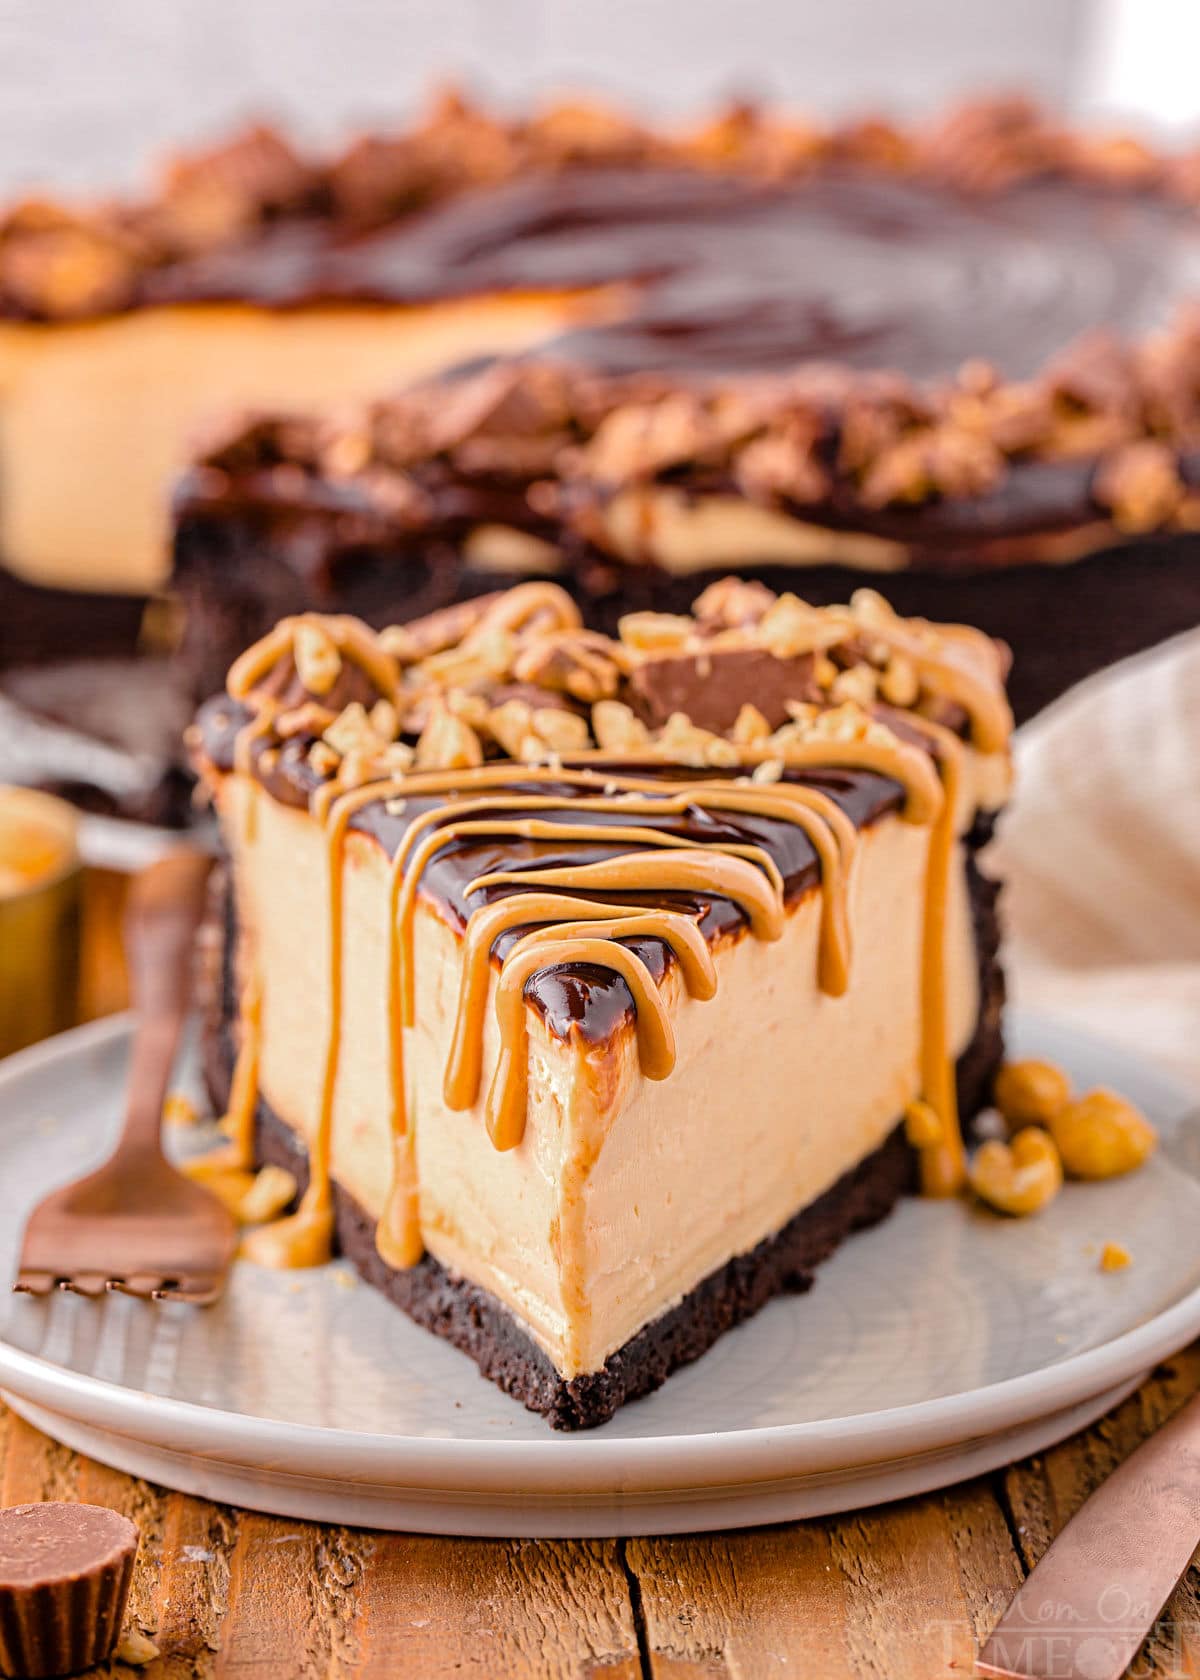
594	989
960	358
955	355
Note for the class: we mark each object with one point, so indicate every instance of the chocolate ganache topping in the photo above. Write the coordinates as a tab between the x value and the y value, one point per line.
519	774
981	215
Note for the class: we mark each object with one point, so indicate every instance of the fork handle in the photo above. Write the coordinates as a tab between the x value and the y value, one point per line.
1085	1608
165	908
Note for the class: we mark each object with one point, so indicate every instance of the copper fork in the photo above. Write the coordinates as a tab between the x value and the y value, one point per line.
135	1224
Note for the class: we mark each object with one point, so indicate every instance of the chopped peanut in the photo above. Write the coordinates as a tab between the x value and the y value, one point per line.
857	684
447	743
575	662
732	602
1140	483
135	1650
563	731
383	720
750	726
510	724
871	608
311	718
471	708
1102	1136
318	662
898	684
922	1127
617	728
351	730
650	632
323	758
1017	1178
273	1189
531	734
683	742
791	627
179	1110
1030	1093
398	641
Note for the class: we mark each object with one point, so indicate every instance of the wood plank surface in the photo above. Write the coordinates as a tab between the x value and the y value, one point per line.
902	1592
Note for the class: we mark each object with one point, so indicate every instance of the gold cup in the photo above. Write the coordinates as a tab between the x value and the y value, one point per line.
39	917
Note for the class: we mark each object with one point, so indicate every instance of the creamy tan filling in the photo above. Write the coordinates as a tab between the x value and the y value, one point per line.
97	419
623	1193
685	534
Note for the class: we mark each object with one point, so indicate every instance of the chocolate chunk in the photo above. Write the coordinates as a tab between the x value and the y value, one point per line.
712	688
65	1572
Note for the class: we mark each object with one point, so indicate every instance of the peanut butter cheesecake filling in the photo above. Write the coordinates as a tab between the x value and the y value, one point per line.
427	726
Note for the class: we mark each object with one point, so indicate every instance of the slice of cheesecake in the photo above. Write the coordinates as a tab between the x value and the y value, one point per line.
594	989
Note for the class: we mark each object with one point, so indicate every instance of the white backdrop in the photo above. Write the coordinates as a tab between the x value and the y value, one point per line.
90	88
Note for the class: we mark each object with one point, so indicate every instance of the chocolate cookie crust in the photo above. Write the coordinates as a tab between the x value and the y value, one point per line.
473	1320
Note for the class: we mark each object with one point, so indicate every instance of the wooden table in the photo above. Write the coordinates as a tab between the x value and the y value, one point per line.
902	1592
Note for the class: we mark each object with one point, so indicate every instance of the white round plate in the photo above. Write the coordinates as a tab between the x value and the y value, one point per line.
941	1344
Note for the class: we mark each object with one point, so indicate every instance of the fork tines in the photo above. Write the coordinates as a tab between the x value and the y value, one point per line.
198	1289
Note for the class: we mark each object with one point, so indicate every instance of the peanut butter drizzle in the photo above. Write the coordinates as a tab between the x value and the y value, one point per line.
259	726
571	833
464	1068
349	635
243	1087
947	661
508	1097
683	869
398	1233
943	1160
518	605
235	1159
743	873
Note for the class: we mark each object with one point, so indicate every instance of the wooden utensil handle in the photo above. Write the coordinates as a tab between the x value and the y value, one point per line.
165	907
1088	1604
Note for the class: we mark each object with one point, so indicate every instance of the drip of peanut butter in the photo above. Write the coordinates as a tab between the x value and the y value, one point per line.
943	1159
243	1087
234	1161
349	635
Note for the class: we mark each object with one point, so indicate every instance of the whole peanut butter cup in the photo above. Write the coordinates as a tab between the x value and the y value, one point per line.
65	1573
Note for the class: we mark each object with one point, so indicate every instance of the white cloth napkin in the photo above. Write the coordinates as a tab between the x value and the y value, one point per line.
1101	852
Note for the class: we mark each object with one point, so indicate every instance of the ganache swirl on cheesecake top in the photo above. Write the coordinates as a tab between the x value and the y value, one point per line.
594	825
991	210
